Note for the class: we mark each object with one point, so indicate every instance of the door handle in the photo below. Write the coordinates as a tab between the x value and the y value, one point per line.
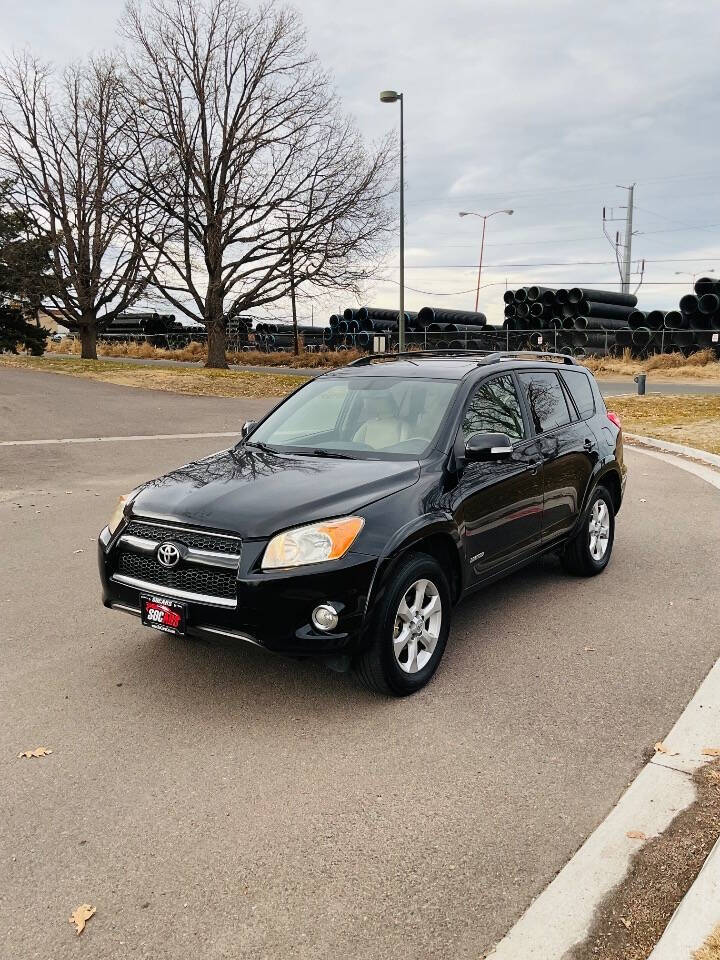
535	466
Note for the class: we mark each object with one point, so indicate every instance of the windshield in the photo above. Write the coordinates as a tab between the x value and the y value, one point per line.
386	417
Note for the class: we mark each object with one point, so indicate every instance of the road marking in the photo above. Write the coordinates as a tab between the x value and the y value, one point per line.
154	436
563	913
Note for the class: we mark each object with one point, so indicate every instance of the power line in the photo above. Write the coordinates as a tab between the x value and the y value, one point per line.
560	263
602	284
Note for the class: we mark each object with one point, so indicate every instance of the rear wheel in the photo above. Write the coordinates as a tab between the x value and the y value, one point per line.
410	629
588	553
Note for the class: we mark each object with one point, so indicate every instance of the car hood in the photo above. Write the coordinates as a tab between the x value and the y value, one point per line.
256	492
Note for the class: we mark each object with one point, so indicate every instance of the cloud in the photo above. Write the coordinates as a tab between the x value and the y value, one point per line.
541	105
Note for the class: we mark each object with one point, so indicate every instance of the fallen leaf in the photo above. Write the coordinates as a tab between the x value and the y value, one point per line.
661	748
78	551
627	923
642	500
589	649
37	752
636	835
711	752
80	916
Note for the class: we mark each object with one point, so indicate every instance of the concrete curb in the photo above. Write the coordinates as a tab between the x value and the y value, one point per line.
563	913
679	449
696	917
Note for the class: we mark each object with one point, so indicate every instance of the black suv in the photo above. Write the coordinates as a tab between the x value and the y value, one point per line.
347	523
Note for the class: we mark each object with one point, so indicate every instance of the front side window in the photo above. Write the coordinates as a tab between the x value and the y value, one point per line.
494	408
545	399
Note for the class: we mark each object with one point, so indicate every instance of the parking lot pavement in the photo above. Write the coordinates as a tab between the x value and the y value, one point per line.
220	803
36	405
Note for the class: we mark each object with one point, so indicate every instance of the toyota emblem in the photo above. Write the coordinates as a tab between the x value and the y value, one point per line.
168	555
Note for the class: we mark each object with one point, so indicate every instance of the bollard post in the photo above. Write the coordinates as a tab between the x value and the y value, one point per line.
640	381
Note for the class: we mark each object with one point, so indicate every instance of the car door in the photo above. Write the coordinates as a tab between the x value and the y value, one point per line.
501	499
567	447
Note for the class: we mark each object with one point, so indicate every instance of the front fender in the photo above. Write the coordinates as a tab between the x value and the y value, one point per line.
404	539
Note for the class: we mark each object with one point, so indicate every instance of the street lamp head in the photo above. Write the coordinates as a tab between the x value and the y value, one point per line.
509	212
464	213
390	96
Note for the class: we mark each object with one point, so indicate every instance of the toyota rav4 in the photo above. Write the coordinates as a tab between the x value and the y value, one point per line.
348	522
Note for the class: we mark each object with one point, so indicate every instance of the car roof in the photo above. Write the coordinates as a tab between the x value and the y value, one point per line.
441	366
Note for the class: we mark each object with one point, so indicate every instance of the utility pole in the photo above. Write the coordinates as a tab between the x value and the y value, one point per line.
628	240
624	265
296	345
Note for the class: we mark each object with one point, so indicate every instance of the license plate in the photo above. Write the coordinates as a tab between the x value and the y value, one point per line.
162	614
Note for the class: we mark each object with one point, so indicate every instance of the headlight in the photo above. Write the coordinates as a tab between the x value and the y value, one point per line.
118	513
312	544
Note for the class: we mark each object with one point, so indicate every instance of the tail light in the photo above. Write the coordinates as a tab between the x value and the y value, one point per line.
615	419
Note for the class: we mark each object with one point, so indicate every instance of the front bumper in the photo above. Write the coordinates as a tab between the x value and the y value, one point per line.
272	609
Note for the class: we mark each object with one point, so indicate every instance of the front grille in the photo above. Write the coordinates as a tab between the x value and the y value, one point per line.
199	541
212	583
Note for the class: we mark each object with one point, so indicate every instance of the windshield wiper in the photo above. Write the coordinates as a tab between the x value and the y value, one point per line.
259	445
334	454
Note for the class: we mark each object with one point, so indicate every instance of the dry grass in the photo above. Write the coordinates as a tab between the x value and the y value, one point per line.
197	352
691	419
189	380
633	915
710	950
703	365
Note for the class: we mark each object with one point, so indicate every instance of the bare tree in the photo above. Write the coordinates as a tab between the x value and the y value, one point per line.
63	142
240	129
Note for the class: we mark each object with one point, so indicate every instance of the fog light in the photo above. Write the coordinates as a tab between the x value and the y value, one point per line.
325	617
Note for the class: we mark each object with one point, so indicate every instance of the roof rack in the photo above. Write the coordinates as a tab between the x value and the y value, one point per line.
499	355
485	356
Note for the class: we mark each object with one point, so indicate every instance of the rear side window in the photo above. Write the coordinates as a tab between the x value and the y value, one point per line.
546	400
494	408
581	391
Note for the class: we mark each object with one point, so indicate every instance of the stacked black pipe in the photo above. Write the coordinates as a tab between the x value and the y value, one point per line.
696	325
430	328
577	320
159	329
281	336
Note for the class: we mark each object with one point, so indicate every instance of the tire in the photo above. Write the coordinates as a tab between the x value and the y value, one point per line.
396	668
589	552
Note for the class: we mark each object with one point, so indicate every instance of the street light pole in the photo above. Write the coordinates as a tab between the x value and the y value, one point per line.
392	96
482	248
296	345
484	217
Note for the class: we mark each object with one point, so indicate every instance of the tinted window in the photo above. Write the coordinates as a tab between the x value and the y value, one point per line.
546	400
581	391
494	408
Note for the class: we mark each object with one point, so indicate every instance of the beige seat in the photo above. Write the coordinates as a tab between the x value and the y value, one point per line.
382	427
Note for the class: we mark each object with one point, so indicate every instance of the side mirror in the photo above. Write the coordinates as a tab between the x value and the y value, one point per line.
488	446
247	428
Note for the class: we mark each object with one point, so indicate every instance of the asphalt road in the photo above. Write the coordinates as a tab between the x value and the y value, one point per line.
220	803
609	387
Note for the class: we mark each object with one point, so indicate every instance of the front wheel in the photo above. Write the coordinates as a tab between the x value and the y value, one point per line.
588	553
410	629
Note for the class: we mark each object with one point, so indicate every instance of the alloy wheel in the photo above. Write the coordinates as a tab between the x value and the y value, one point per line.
417	626
599	530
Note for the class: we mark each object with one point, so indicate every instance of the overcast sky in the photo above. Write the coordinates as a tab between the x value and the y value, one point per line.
539	105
